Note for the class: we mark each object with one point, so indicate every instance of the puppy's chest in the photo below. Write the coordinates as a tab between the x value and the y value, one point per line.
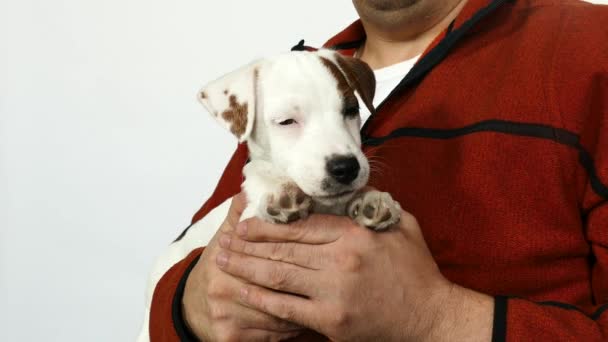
334	209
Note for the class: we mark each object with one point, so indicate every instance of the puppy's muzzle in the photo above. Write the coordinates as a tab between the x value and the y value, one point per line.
343	169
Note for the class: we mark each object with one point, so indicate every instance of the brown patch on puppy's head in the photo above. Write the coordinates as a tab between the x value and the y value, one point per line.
343	85
361	77
352	75
344	88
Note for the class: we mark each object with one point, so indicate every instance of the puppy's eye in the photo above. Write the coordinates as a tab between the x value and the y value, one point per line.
287	122
350	108
351	111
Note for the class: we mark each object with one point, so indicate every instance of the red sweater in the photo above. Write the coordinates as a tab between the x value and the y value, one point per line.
497	142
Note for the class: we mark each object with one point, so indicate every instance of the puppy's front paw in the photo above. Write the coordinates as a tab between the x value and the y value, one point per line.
287	205
374	209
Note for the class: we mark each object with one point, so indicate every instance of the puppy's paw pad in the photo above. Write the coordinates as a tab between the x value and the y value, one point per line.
287	205
375	210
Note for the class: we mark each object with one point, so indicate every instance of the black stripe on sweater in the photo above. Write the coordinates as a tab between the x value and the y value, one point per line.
558	135
594	316
598	313
499	323
183	233
179	323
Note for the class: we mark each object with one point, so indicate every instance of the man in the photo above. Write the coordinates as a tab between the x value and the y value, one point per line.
494	143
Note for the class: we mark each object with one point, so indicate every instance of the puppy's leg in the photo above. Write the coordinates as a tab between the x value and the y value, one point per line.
374	209
273	196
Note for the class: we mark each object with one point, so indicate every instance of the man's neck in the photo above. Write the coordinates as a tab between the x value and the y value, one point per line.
388	46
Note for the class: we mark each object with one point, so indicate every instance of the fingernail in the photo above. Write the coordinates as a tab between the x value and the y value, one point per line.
225	240
221	259
241	229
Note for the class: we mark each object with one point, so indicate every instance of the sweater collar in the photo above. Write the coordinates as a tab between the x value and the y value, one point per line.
350	39
467	21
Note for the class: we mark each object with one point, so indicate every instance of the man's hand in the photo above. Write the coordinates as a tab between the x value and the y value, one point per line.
211	303
352	283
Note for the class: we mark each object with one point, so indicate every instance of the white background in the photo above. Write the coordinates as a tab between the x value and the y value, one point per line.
105	153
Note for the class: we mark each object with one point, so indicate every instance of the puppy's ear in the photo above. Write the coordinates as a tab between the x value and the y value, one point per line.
360	77
232	98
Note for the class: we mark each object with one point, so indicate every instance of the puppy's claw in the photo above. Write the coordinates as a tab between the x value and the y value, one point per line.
374	209
287	205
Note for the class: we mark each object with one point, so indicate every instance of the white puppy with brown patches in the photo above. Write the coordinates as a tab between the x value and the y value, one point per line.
299	115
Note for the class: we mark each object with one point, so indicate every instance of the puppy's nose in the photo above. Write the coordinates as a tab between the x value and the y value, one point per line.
343	169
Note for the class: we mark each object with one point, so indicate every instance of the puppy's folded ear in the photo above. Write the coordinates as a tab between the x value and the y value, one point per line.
231	100
360	77
358	74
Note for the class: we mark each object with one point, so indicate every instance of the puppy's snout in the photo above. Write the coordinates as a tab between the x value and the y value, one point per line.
343	169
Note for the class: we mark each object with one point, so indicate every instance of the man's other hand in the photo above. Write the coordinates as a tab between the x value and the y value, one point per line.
212	306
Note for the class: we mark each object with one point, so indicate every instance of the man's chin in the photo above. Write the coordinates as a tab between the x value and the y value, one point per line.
388	5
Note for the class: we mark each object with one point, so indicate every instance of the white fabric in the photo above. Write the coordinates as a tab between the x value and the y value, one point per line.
387	79
199	234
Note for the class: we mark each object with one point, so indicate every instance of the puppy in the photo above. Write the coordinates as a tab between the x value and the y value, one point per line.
299	115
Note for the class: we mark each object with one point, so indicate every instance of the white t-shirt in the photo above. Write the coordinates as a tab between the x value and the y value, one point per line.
387	79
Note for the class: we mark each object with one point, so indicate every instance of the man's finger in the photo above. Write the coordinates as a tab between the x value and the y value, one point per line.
409	226
237	206
305	255
268	273
317	229
287	307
